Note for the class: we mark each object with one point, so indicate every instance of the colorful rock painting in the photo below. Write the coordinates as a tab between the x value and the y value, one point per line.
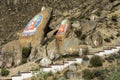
30	28
63	27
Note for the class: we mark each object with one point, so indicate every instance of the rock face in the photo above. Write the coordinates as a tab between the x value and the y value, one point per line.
69	44
12	53
95	40
76	24
62	33
37	53
88	26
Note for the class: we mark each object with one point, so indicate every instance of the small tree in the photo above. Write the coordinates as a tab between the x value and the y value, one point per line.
96	61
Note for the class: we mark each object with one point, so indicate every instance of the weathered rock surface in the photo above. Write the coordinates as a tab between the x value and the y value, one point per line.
69	43
95	40
38	35
52	50
73	75
72	67
45	61
12	53
37	53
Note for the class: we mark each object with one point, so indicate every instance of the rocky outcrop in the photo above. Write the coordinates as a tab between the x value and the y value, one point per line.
37	53
69	43
62	33
12	53
90	23
35	30
95	39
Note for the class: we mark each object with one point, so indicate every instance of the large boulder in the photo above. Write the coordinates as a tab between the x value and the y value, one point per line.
12	53
35	30
37	53
72	67
45	61
76	24
69	43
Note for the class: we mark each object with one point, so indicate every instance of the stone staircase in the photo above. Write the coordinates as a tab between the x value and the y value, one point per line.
59	67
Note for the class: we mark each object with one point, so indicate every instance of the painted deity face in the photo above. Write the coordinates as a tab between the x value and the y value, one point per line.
63	27
30	28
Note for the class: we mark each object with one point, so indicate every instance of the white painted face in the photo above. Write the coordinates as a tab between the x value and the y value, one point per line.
64	21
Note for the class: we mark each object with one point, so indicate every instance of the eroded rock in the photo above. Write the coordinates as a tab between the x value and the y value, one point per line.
95	40
45	61
12	53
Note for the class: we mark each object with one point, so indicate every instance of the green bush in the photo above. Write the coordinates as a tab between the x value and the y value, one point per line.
4	72
114	18
97	72
98	13
96	61
58	72
24	60
86	58
85	52
87	74
49	73
107	40
75	54
83	37
118	34
26	52
78	33
111	37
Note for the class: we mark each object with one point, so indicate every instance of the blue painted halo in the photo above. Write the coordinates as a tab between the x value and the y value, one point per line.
30	28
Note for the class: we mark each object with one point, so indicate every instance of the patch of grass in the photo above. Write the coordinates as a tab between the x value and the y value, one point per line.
25	54
87	74
24	60
98	13
4	72
58	72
